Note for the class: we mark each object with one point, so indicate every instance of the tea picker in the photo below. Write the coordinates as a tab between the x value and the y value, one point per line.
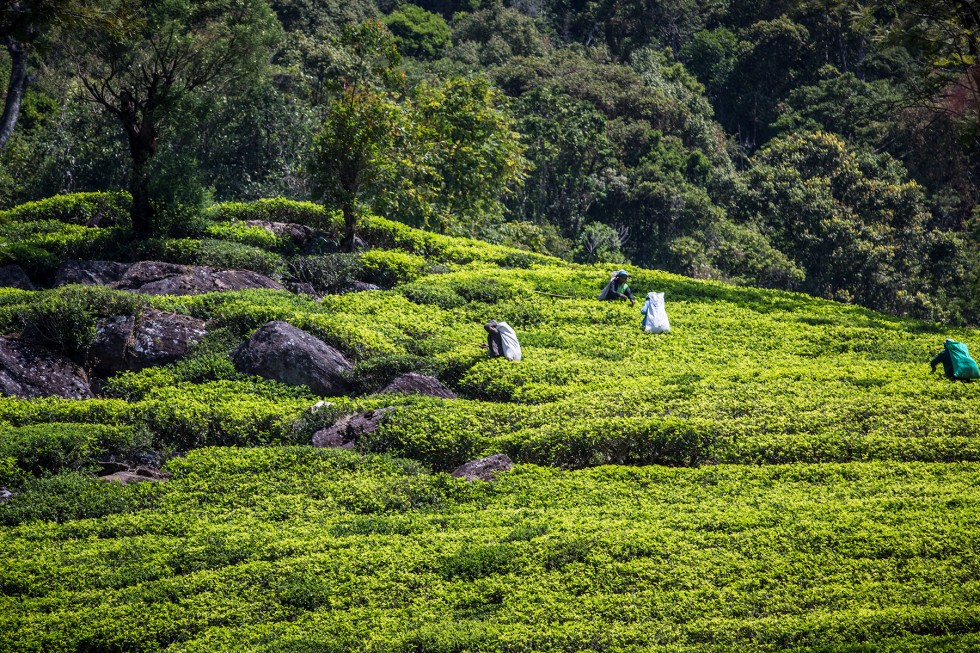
502	341
956	361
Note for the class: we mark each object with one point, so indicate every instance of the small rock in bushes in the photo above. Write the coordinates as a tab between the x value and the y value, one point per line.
27	371
419	384
357	286
90	273
124	474
301	289
13	276
281	352
346	430
300	234
484	469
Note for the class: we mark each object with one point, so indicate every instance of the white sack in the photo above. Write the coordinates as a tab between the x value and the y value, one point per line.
655	320
512	348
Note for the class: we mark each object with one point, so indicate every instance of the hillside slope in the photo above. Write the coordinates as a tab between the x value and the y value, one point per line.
777	473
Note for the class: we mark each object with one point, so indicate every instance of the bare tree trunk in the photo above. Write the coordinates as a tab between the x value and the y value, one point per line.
350	228
19	81
142	139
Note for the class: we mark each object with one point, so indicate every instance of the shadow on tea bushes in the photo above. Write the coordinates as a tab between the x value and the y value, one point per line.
43	449
74	495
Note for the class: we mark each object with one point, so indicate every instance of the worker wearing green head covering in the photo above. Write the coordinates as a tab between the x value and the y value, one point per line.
618	288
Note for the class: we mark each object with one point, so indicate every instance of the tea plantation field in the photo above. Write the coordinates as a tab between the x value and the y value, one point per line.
778	473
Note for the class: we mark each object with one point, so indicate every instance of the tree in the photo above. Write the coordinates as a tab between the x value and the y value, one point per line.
173	51
418	33
350	154
850	219
457	158
944	37
27	29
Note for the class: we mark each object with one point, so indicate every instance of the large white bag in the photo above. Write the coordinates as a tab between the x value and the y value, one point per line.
512	348
655	314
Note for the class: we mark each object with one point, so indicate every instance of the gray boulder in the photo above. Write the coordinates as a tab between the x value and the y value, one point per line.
484	469
28	371
419	384
281	352
13	276
90	273
157	338
346	430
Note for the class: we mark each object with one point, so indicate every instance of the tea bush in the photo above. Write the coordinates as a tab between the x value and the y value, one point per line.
65	318
390	267
109	209
239	232
797	478
276	210
211	252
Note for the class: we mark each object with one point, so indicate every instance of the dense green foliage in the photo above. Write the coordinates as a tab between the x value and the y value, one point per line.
535	124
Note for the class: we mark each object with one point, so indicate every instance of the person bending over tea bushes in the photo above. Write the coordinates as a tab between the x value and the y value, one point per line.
618	288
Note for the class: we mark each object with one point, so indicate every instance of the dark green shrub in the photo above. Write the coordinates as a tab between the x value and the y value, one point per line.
374	373
432	294
108	209
73	495
177	194
389	268
64	319
51	448
478	561
483	290
326	273
208	251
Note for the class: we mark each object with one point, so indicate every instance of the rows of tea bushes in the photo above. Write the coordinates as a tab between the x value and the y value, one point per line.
745	376
296	549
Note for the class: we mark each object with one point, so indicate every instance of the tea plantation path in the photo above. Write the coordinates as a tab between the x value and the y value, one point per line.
778	473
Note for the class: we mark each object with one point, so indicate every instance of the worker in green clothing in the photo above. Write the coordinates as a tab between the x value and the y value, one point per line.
618	288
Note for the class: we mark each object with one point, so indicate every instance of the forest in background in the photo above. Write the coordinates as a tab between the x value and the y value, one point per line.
825	146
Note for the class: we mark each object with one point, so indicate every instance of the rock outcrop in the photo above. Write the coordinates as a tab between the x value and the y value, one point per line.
156	338
419	384
346	430
281	352
158	278
484	469
29	371
155	278
13	276
90	273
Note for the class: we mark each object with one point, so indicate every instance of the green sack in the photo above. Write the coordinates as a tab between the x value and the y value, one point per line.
964	367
